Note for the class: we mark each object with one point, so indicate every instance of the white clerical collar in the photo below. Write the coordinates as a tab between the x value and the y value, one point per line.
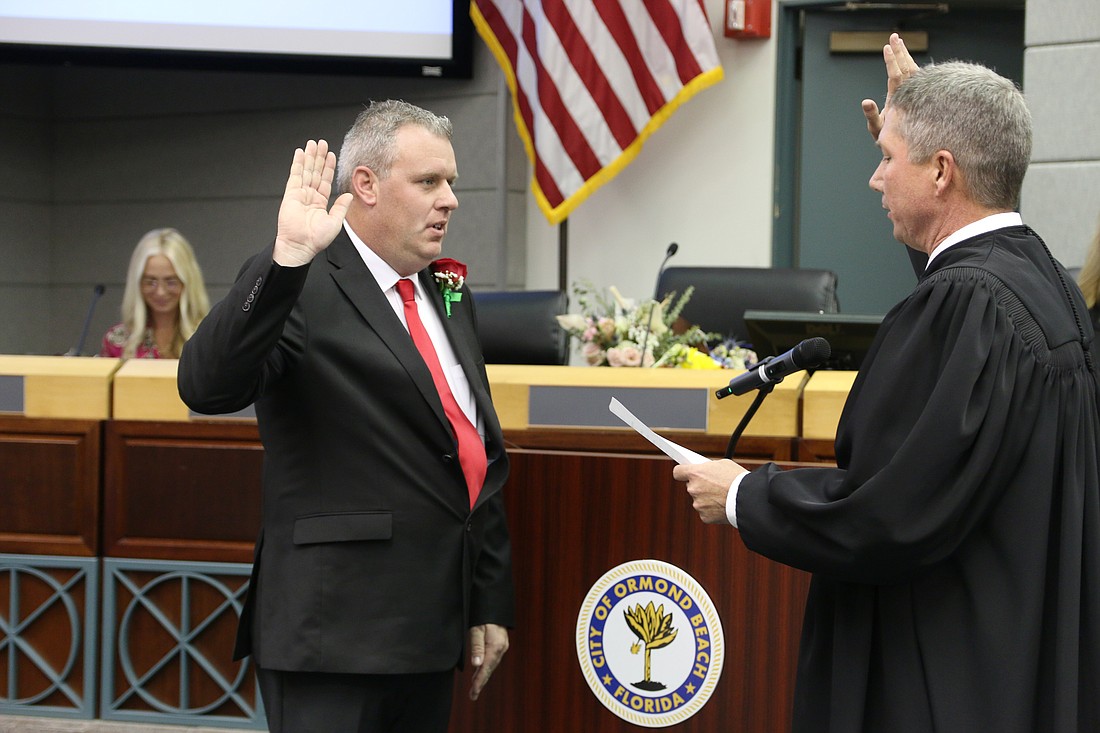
386	276
981	226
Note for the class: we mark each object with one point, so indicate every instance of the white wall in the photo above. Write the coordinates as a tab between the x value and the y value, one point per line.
1061	196
703	180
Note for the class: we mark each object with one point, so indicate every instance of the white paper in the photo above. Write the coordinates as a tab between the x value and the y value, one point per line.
678	453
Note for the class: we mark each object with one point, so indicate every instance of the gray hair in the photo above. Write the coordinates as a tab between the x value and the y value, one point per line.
976	114
371	140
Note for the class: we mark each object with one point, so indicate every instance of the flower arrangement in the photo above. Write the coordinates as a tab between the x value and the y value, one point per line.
611	332
451	275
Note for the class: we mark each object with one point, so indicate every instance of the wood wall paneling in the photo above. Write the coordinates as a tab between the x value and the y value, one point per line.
182	491
49	486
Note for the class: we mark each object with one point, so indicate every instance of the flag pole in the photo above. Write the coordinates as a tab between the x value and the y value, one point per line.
563	255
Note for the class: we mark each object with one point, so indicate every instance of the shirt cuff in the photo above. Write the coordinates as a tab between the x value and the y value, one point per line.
731	499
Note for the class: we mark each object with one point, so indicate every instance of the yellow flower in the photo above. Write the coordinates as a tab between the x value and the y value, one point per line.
695	359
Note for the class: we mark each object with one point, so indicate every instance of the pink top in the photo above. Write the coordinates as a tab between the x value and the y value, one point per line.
115	340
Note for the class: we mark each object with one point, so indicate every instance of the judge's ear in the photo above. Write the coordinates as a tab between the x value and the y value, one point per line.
945	168
364	184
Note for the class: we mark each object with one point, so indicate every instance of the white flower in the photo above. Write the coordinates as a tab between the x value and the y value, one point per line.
573	322
614	331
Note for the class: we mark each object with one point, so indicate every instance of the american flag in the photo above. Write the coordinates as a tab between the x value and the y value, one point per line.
591	80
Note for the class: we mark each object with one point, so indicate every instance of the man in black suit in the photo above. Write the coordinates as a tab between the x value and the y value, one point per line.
378	565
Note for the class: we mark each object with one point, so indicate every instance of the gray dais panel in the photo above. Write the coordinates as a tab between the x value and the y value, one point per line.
552	406
11	394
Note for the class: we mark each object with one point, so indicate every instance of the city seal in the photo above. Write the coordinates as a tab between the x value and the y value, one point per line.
649	642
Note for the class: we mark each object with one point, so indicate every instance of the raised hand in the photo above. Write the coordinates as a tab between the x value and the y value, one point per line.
306	223
899	67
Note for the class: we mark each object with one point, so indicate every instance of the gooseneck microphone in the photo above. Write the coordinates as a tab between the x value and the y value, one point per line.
806	355
75	351
672	248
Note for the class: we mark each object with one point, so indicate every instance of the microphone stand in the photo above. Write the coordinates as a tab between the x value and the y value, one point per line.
656	299
79	346
808	354
759	399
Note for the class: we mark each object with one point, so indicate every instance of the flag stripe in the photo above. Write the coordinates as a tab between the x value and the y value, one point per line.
669	26
589	73
627	44
496	30
554	113
592	79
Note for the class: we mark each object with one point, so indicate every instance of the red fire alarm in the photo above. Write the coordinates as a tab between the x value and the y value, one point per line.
748	18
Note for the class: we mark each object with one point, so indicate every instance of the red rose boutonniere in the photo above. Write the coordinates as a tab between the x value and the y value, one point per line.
450	274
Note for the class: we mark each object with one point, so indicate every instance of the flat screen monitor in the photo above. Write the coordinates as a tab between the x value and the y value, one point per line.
849	335
430	38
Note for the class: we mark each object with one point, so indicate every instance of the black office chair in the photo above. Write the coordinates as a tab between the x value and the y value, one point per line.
520	327
723	294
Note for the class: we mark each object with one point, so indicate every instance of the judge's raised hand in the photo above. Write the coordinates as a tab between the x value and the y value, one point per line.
899	67
306	224
488	643
708	484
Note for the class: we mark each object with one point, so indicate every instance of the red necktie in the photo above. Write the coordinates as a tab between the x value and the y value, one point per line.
471	450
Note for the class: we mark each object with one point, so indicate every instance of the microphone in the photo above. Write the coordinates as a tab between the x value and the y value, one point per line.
75	351
806	355
672	248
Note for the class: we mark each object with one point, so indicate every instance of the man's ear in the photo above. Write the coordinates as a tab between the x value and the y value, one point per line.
364	184
945	168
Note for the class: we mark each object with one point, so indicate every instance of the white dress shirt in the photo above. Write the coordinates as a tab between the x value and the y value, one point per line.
387	279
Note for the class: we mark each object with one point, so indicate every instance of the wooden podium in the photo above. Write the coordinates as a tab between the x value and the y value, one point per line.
586	494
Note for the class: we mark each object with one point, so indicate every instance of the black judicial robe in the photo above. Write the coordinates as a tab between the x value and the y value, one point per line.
955	550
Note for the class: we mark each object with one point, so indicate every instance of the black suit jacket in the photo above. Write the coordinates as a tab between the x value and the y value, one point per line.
369	559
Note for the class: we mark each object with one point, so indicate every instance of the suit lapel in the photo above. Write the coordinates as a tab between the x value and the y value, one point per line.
357	283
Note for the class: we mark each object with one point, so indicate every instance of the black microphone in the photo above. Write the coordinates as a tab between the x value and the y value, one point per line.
656	297
806	355
75	351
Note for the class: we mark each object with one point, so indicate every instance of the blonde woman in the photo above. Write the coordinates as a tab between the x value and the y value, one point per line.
1089	280
164	300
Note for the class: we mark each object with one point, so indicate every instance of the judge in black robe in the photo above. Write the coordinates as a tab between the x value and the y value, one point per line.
955	547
